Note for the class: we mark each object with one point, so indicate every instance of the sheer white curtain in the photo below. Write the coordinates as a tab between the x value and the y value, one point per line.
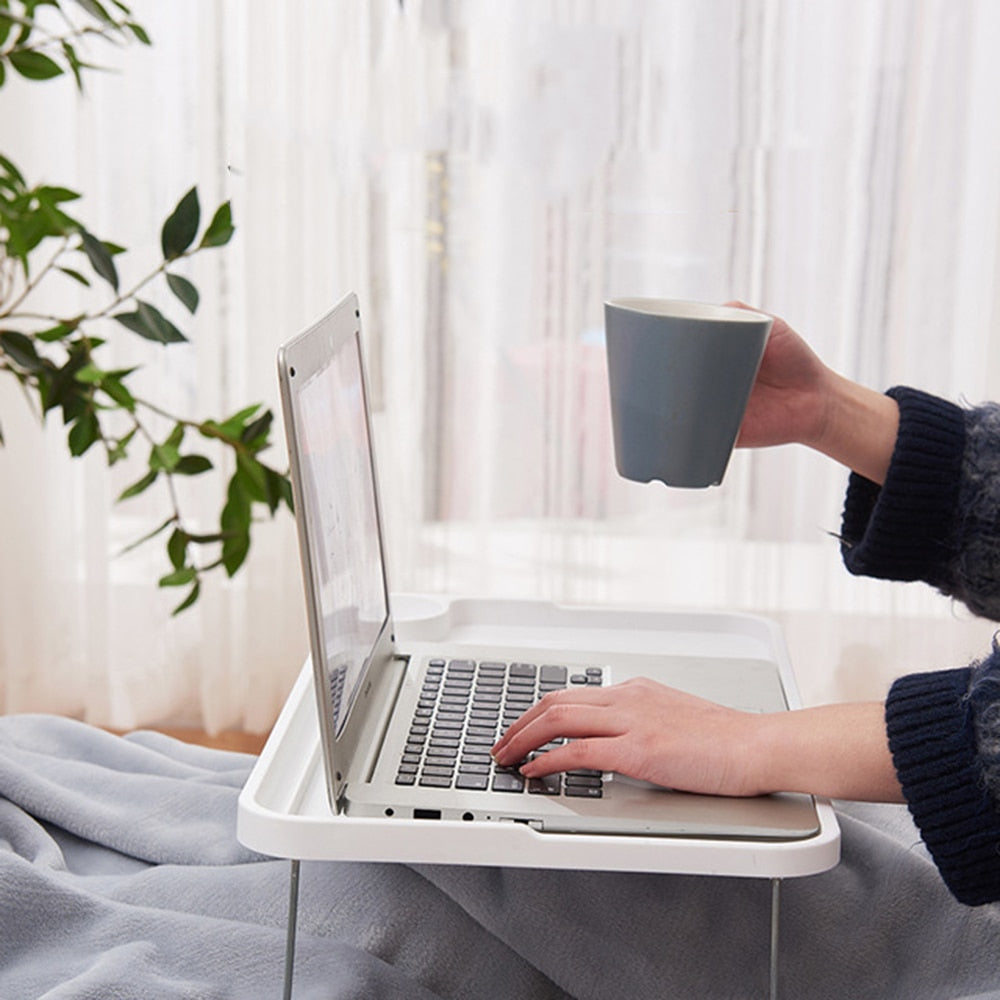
484	175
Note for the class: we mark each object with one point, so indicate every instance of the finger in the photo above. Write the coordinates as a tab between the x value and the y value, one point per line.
557	719
582	695
592	753
567	697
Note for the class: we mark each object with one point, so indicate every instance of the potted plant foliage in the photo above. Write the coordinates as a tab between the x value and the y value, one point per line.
59	359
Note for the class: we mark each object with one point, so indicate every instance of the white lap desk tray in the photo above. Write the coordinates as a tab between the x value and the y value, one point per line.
284	810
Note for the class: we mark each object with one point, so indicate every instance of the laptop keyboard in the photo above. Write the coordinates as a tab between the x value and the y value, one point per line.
463	708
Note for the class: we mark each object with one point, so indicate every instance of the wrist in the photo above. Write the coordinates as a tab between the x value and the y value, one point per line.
835	751
859	428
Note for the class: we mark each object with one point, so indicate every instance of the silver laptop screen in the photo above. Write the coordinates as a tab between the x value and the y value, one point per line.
346	557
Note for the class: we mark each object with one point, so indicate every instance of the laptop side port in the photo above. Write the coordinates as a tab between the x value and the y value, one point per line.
426	813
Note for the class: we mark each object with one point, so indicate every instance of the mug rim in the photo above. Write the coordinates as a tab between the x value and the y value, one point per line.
687	309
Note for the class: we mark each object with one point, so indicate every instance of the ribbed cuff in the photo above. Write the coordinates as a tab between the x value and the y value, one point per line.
932	740
903	530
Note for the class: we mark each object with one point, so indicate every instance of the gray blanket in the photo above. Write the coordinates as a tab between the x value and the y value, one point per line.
121	876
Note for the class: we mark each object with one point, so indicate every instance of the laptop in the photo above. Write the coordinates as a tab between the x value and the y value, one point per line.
405	731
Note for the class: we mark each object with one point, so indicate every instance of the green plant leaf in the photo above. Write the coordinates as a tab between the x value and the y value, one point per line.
119	450
96	11
139	32
113	387
252	477
14	179
235	524
34	65
185	291
5	25
177	548
163	457
139	486
189	600
84	433
181	227
232	427
279	490
60	332
89	374
55	195
59	387
255	434
21	350
148	322
75	275
176	436
179	577
75	64
220	229
100	258
193	465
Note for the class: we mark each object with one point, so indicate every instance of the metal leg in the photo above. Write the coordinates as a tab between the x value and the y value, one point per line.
293	915
775	911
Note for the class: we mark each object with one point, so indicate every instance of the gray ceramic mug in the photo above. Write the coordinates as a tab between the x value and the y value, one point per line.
680	374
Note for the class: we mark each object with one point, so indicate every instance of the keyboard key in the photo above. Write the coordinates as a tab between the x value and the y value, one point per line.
484	717
406	779
552	674
480	741
472	782
435	781
519	701
582	781
438	768
583	792
474	729
508	781
551	784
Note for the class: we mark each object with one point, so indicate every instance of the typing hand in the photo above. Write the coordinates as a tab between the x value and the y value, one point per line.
641	729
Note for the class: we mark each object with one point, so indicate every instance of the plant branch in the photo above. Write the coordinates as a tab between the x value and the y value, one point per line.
32	283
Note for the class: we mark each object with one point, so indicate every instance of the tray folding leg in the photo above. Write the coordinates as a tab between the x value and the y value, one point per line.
293	919
772	974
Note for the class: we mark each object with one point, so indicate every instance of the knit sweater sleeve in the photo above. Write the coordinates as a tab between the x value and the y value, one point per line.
943	735
937	516
937	519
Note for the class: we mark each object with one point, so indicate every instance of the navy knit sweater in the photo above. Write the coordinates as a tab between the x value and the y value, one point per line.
937	518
